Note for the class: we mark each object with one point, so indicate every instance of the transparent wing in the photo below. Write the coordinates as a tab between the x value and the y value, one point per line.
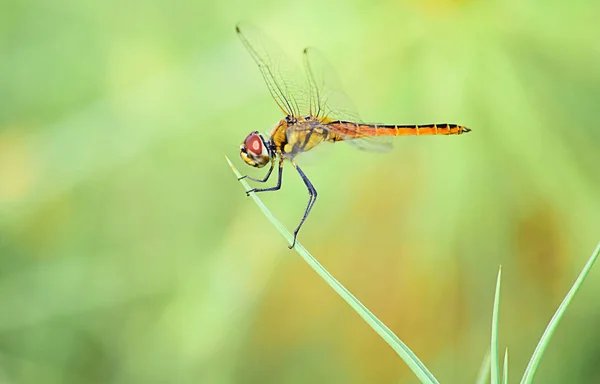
286	84
327	98
328	101
372	144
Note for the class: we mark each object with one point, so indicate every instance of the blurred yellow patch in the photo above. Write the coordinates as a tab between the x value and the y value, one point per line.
16	170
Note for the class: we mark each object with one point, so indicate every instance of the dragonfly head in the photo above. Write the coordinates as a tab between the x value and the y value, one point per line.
255	150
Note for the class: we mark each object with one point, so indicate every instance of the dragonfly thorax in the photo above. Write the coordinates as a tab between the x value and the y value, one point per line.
256	150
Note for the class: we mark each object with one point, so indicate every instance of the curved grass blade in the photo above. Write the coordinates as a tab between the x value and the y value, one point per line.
419	369
545	339
484	371
495	366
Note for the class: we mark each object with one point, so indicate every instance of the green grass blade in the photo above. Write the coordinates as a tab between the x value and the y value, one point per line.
505	371
381	329
495	366
484	371
545	339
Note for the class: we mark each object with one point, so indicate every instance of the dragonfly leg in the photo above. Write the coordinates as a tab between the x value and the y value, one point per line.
276	187
264	179
312	197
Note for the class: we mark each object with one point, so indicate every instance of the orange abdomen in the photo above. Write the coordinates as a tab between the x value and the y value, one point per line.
355	130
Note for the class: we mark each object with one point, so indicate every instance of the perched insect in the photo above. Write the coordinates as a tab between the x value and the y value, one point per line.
316	110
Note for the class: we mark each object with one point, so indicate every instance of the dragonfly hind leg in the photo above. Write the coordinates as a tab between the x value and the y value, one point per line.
312	197
276	187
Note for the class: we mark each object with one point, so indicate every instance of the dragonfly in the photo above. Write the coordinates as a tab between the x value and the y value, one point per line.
316	110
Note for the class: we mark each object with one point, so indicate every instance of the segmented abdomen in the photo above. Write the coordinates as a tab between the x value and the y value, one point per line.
348	129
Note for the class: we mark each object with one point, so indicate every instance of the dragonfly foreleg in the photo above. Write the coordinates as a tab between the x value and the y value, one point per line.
312	197
276	187
264	179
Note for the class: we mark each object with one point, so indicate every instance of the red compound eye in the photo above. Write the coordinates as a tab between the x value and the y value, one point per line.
254	144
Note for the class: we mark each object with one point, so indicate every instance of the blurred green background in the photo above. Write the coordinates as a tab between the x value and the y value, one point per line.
129	252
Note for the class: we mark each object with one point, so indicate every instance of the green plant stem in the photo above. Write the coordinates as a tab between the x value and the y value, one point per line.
545	339
484	370
495	368
505	372
378	326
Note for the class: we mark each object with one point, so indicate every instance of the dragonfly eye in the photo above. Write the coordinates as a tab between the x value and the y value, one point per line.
253	143
254	150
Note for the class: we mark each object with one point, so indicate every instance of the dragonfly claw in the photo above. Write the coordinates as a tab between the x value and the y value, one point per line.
242	177
293	242
250	191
